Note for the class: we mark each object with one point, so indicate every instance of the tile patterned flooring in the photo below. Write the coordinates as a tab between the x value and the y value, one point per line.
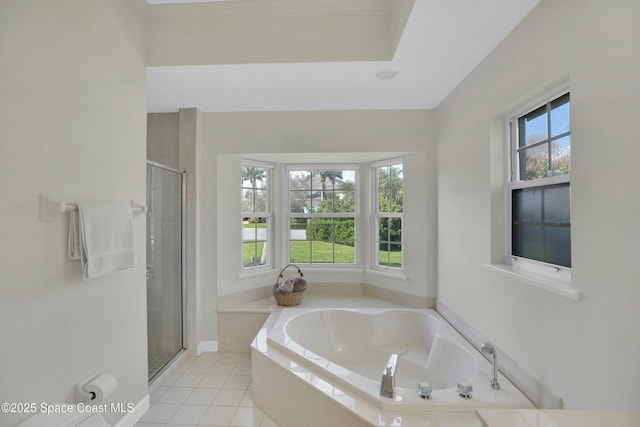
213	389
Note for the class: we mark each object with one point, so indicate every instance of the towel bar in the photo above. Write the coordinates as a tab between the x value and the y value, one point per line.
50	208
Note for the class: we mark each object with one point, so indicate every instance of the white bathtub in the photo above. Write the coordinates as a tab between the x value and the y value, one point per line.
350	347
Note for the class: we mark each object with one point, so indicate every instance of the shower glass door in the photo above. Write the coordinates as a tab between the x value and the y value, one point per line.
165	200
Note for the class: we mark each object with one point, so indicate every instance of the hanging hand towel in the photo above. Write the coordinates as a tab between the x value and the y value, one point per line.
101	236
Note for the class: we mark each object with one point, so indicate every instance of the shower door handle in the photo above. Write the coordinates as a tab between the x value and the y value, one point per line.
150	272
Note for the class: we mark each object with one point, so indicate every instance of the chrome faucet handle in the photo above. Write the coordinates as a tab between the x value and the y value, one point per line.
488	348
464	390
388	381
425	390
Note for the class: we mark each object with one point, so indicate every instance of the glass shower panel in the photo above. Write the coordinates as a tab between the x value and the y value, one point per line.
164	266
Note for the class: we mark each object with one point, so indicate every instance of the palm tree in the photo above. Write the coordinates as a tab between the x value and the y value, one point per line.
328	174
254	198
253	175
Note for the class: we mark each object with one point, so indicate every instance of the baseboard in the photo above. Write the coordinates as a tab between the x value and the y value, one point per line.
131	418
207	347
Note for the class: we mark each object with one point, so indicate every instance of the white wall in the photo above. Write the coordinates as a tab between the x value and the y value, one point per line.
323	137
163	134
249	32
586	351
72	124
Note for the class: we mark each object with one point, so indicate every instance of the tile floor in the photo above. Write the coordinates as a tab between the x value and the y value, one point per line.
213	389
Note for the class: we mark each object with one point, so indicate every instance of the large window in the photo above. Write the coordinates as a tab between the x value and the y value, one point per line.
256	215
540	184
322	206
387	212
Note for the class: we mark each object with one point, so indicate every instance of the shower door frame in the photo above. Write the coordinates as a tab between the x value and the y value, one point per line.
183	260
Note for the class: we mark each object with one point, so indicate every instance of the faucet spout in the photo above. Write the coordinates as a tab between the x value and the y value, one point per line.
388	382
489	349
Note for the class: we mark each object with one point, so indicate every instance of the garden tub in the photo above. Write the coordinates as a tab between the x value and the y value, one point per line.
349	349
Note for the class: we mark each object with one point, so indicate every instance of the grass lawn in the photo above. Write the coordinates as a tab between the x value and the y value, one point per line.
323	252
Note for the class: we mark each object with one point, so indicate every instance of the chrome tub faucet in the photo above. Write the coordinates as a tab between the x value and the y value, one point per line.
487	348
388	382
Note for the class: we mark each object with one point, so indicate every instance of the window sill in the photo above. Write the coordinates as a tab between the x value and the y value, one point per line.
257	273
559	287
385	273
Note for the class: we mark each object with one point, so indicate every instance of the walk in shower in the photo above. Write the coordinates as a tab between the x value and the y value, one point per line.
165	265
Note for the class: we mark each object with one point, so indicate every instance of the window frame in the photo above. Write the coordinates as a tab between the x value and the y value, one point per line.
286	198
269	220
376	215
556	278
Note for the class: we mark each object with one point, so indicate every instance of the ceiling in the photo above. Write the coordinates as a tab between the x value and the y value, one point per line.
442	42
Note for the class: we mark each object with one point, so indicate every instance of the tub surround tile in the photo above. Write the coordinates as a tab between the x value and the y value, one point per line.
556	418
540	395
323	295
397	297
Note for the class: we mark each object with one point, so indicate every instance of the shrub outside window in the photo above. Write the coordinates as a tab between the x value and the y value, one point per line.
255	188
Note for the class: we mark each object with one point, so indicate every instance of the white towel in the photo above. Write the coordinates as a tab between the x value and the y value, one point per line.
101	237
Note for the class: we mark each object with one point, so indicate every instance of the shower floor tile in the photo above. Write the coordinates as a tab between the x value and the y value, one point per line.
157	362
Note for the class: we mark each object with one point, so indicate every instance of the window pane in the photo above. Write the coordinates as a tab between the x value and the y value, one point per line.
321	252
527	205
557	206
322	239
248	199
298	229
384	255
300	251
344	229
533	127
299	180
316	180
395	256
320	229
527	241
253	177
560	116
345	253
561	156
344	201
395	233
254	240
557	246
390	181
534	162
299	201
261	201
383	229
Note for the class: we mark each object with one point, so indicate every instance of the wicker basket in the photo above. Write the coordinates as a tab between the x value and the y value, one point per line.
287	299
